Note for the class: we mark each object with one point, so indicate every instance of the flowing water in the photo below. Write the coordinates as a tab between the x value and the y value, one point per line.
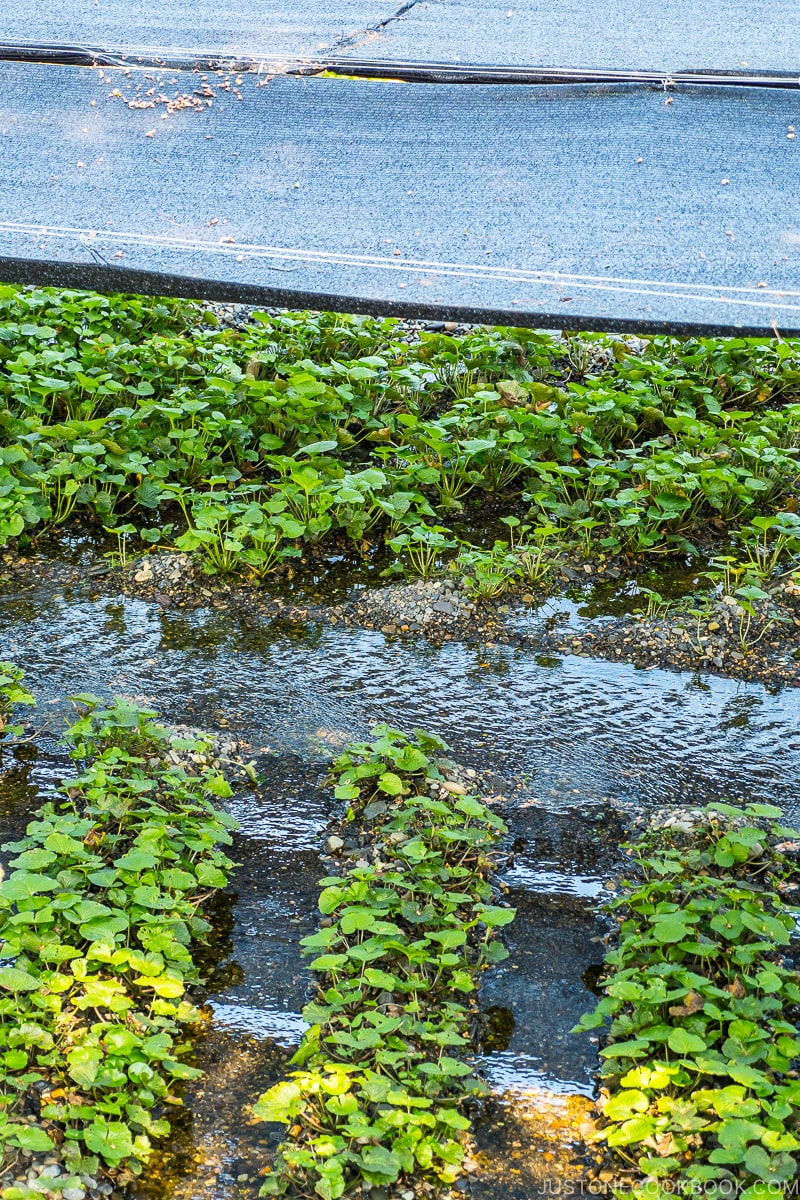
572	744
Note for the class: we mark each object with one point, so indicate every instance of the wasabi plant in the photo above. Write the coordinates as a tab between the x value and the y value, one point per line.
699	1018
384	1087
12	694
424	546
99	909
132	412
770	539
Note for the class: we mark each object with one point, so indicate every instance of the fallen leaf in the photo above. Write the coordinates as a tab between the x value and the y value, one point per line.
693	1003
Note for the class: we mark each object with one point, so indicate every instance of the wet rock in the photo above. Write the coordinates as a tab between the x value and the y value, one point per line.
143	575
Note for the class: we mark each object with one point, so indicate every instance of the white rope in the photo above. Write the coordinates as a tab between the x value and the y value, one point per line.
756	297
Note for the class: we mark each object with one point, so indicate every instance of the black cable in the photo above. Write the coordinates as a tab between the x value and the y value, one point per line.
94	56
71	56
427	72
408	72
114	279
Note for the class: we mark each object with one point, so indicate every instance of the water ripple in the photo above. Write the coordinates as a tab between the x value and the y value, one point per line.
576	731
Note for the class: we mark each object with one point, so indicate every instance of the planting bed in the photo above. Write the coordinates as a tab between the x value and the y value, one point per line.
279	635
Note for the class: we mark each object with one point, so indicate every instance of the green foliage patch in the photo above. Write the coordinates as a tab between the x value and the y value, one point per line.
701	1054
12	694
383	1091
245	445
97	918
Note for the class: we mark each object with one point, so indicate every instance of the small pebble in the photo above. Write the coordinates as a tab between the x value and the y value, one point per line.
456	789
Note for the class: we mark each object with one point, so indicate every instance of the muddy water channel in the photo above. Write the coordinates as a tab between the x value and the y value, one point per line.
575	747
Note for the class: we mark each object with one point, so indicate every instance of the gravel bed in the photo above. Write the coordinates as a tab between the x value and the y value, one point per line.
239	316
43	1175
724	640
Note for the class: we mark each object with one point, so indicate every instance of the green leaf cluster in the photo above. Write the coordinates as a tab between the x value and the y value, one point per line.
98	915
384	1091
243	444
700	1007
12	693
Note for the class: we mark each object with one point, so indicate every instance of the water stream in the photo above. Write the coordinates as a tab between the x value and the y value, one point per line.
573	745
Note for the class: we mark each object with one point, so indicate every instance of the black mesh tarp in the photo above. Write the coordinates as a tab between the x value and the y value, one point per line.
157	28
657	205
547	205
667	36
671	35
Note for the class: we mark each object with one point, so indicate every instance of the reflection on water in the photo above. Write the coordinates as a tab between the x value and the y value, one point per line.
29	774
569	743
214	1153
554	882
282	1028
517	1074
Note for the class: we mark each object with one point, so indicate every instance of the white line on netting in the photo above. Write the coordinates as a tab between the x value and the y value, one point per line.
756	296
